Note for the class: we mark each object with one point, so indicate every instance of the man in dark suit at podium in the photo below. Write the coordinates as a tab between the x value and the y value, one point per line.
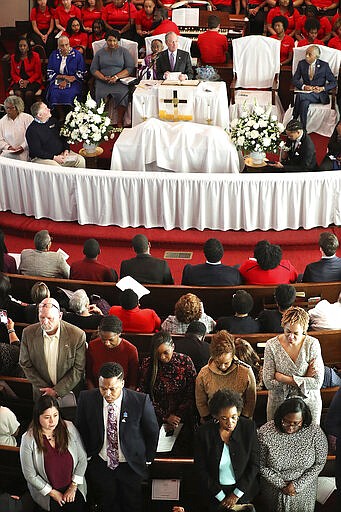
120	432
174	60
328	268
315	78
213	272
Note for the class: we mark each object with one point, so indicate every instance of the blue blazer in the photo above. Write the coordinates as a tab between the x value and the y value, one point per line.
323	77
139	429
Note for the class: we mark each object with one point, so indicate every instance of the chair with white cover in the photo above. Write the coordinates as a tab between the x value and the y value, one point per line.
132	47
322	119
184	43
256	67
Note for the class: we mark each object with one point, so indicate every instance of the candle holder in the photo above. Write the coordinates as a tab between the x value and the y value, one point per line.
209	121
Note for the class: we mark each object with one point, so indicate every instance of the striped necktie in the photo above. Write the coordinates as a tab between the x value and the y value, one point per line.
172	61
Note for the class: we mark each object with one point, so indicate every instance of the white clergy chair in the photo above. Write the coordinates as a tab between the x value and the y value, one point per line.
184	43
131	46
256	67
322	119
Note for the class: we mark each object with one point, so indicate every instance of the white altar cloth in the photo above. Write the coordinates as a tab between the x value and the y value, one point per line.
172	200
210	102
179	147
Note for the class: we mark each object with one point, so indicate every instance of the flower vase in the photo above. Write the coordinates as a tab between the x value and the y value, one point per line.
257	157
90	149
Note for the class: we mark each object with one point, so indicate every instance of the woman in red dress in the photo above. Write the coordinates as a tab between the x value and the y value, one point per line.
25	72
91	11
284	8
280	25
42	25
77	36
64	12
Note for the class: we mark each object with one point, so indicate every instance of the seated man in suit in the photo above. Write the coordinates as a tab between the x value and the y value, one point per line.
120	434
213	272
144	268
41	261
315	78
301	155
173	60
328	268
52	353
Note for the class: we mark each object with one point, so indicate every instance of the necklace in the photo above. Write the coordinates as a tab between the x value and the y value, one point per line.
49	438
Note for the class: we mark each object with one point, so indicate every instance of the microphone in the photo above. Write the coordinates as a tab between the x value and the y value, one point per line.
155	57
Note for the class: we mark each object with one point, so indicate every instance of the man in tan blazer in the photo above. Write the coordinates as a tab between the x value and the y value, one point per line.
52	353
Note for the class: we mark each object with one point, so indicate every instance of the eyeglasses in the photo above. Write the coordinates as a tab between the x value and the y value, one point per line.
49	305
293	424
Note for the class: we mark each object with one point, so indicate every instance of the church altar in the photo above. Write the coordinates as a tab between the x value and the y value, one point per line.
210	102
181	147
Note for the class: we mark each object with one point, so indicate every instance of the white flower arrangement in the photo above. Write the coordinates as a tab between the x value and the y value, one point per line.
87	123
256	130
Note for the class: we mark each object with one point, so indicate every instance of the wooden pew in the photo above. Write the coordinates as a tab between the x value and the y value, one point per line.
162	298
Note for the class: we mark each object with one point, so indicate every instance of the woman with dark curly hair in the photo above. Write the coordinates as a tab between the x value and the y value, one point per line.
226	454
169	379
267	266
284	8
293	451
188	309
224	370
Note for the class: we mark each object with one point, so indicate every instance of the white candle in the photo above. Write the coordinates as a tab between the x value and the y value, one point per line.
208	112
143	111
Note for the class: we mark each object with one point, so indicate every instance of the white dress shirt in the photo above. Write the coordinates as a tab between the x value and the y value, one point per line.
51	344
117	403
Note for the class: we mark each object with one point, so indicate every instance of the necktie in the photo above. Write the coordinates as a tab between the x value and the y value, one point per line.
311	72
112	437
172	61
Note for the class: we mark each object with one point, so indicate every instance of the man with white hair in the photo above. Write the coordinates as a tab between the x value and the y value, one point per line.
174	60
326	315
46	145
52	353
315	79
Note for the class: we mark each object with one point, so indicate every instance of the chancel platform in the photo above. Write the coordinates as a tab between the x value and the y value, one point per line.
172	200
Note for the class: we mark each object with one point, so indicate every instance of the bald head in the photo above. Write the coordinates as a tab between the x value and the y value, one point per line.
49	315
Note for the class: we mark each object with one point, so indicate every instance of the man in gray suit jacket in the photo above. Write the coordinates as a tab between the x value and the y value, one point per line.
41	261
173	60
52	353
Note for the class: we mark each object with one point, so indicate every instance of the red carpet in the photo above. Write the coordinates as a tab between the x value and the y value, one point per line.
299	246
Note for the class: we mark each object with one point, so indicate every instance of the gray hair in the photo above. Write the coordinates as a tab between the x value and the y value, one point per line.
63	37
16	102
167	36
41	240
35	108
316	49
79	302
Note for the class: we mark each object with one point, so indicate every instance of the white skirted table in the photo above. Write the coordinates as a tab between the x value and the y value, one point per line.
209	102
179	147
171	200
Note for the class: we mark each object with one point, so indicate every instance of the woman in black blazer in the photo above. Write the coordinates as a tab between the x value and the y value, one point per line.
227	454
